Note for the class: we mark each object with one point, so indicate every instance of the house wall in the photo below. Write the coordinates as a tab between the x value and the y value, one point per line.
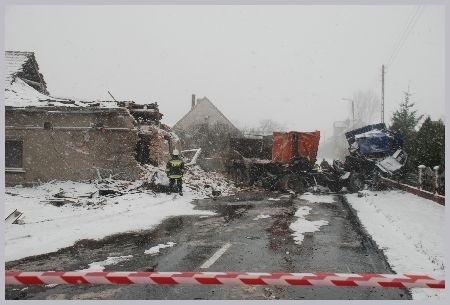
73	150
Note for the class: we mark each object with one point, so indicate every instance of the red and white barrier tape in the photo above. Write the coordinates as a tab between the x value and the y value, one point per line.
225	278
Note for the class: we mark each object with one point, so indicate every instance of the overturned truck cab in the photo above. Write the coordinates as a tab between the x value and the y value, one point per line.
374	151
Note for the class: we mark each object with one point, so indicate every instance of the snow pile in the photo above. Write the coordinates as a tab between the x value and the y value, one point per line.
409	229
302	225
111	260
47	227
155	250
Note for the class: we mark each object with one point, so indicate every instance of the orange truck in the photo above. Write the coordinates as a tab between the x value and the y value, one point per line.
289	146
293	155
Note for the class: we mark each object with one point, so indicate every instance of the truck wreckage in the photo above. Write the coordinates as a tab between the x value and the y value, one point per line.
287	160
373	151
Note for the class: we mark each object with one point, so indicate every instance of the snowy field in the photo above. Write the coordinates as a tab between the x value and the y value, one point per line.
409	229
46	227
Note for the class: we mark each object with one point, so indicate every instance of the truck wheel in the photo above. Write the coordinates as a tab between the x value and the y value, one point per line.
356	183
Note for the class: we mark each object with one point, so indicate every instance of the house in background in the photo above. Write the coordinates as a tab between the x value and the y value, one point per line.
205	127
49	138
203	112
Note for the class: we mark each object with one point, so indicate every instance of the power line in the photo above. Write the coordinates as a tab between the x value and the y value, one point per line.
409	26
406	35
407	32
397	43
402	34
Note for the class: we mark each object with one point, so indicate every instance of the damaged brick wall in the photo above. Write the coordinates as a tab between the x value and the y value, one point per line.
160	143
74	144
158	148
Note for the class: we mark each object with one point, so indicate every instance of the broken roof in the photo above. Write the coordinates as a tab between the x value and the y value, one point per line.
20	95
14	62
21	87
25	66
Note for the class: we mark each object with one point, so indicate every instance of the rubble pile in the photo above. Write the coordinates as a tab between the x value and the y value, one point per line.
92	195
101	193
60	194
207	184
200	182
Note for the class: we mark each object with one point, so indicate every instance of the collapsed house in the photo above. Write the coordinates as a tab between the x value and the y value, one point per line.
206	127
156	140
49	138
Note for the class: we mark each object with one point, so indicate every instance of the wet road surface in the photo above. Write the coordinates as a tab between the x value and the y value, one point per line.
245	243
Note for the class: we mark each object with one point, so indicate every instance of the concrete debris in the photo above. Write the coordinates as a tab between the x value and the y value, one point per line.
203	183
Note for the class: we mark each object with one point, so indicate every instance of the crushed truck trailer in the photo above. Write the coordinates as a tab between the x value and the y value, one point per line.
292	158
286	160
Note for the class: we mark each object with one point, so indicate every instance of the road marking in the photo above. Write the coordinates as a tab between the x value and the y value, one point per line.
215	256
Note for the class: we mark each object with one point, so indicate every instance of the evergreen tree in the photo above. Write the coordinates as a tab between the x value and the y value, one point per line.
404	123
430	143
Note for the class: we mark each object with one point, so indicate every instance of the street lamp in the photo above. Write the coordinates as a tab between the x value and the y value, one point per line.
353	110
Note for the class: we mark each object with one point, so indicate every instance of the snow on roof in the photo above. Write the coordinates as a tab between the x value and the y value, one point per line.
20	95
371	134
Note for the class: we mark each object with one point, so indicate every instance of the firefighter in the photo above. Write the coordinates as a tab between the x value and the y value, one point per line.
174	170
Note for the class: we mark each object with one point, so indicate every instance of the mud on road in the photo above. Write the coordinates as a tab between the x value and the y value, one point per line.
260	240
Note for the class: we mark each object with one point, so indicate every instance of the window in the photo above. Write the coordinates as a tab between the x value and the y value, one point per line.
13	154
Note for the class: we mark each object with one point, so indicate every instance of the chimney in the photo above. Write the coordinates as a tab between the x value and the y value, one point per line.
193	101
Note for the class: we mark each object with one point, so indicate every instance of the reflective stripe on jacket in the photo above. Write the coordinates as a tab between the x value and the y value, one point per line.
174	168
175	176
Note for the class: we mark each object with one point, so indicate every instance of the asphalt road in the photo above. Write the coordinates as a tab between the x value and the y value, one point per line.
248	245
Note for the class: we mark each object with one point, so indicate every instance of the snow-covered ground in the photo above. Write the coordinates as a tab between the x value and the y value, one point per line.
409	229
46	227
155	249
100	265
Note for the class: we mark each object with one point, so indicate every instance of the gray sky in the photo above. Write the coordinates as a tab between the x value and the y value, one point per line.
292	64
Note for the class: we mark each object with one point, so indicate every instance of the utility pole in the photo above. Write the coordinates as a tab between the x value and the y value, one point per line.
382	94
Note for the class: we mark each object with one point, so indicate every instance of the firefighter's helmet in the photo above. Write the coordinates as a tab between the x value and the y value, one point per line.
175	152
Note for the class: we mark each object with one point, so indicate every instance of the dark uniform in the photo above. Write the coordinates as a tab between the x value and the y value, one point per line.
174	170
